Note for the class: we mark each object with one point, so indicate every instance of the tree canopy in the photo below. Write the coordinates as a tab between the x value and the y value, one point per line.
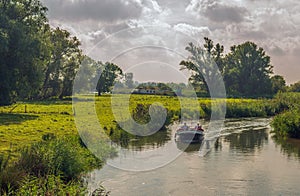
246	70
23	49
36	60
107	78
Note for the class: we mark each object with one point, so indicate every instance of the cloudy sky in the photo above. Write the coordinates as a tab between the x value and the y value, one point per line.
139	34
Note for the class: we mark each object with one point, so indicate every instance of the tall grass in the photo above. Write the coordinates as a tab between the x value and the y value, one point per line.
51	167
287	123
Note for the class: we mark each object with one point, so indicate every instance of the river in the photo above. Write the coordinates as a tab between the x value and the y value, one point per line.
245	160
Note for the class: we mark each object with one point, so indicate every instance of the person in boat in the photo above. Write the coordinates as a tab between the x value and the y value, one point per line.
185	127
198	127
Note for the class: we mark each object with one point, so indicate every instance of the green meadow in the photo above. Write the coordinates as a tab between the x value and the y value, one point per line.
24	123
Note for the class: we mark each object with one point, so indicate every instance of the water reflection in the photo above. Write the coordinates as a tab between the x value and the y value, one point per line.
289	147
247	141
186	147
139	143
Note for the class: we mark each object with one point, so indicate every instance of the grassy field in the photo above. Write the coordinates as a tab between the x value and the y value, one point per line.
25	123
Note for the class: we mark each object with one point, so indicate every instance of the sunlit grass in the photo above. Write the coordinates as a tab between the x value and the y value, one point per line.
24	123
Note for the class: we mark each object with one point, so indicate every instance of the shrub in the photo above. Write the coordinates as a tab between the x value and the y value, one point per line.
287	124
49	185
65	156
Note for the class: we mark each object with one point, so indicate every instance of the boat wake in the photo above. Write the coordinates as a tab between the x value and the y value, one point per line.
231	126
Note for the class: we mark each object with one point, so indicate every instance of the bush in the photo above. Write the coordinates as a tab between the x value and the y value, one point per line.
62	156
287	124
50	167
49	185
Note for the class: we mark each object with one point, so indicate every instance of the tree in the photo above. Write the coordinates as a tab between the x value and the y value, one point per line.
107	78
88	75
247	71
278	84
129	80
23	49
205	64
295	87
63	65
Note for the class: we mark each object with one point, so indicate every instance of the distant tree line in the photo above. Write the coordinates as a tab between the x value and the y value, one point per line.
246	70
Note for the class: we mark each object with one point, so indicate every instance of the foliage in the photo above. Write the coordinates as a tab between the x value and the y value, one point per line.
287	123
36	61
65	156
107	78
49	185
88	75
62	67
247	71
23	49
202	64
50	166
294	87
278	84
129	80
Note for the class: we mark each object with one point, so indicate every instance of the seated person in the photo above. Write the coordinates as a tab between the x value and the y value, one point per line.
198	127
185	127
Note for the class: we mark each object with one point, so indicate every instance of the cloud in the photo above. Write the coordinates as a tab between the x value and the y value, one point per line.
218	11
272	24
103	10
191	30
277	51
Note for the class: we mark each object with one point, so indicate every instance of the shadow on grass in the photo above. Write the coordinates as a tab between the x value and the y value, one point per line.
7	119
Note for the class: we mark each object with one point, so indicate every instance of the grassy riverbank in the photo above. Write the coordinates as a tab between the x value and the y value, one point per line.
46	132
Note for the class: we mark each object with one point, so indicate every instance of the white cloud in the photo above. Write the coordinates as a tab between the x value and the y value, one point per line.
192	30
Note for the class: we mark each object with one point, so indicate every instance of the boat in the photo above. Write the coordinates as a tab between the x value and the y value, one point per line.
189	135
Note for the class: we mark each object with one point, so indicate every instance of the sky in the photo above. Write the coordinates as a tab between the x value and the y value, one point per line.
148	37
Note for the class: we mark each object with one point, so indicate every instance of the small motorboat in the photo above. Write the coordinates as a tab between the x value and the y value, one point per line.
189	135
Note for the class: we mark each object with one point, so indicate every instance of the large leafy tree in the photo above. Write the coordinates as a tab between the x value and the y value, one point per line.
65	59
247	71
88	75
108	77
278	84
23	49
205	64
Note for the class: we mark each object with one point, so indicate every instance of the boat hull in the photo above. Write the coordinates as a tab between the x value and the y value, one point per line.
189	136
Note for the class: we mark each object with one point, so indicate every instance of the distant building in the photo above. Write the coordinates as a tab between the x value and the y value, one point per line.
152	90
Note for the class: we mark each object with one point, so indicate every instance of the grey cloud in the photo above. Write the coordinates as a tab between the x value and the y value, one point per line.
104	10
225	13
277	51
217	11
256	35
296	51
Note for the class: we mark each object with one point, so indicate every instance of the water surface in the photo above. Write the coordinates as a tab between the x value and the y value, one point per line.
244	160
